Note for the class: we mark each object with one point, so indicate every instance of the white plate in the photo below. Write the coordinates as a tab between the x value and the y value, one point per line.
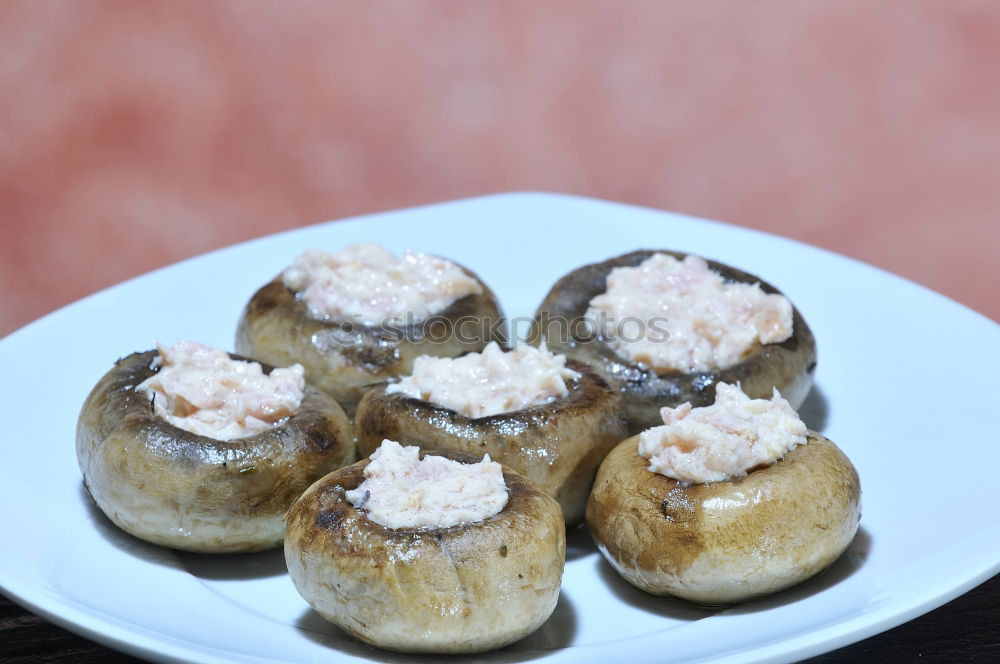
905	386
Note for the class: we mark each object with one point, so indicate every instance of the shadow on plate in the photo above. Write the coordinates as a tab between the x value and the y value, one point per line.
849	562
225	566
121	540
815	410
667	607
847	565
234	566
579	543
557	632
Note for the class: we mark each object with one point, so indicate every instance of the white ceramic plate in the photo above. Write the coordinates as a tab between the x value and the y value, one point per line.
905	386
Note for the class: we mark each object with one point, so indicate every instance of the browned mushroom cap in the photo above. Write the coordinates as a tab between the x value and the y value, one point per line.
788	365
558	446
725	542
179	489
466	588
346	358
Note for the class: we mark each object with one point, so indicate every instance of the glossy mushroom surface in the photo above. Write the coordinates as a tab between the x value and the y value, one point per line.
175	488
559	320
462	589
558	445
725	542
346	358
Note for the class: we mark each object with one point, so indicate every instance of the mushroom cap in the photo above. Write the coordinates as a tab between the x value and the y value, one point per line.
179	489
558	445
462	589
346	358
725	542
788	365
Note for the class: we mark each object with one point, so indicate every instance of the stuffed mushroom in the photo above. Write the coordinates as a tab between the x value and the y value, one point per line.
356	317
675	327
550	420
713	538
223	487
473	584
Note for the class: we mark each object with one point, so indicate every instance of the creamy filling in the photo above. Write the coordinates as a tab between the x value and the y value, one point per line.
723	441
401	490
202	390
488	383
369	282
681	315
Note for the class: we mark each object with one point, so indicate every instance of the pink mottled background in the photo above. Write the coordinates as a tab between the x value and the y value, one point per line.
136	133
